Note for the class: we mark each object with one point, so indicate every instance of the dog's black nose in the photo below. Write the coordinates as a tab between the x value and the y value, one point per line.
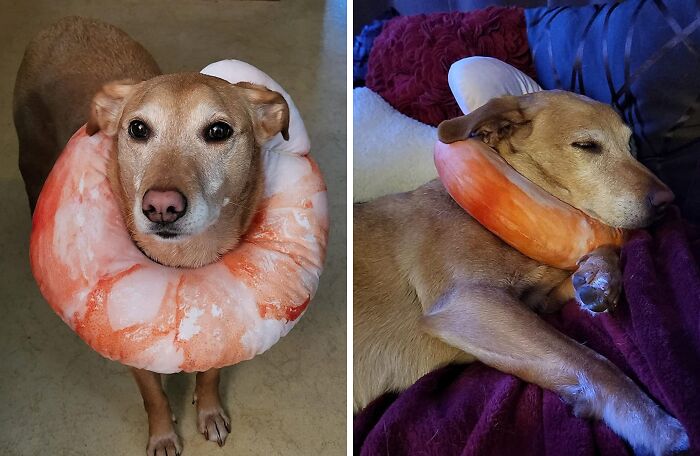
164	206
660	198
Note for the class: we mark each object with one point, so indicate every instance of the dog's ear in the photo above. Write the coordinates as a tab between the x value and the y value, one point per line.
493	122
107	105
270	110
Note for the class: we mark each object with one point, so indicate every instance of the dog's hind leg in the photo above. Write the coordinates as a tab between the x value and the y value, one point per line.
502	332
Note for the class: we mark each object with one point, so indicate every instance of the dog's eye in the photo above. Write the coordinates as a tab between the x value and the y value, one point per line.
218	131
139	130
588	146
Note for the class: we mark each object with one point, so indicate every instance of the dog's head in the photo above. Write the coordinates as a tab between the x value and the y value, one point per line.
186	166
575	148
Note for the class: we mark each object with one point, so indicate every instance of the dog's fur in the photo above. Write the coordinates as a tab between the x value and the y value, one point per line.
432	286
82	70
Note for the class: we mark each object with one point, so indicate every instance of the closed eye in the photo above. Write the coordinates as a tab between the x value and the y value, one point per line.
588	146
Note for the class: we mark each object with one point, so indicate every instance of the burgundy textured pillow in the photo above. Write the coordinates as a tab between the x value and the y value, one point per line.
410	59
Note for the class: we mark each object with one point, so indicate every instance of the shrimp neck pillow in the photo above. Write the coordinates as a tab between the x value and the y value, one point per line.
146	315
522	214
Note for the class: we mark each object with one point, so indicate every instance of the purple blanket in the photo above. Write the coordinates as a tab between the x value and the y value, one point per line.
653	336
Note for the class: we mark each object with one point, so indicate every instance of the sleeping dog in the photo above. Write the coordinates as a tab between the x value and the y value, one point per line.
432	286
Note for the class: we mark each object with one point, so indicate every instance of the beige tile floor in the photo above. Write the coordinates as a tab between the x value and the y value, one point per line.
60	398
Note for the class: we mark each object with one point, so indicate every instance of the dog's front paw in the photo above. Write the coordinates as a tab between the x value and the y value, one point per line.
165	444
672	437
212	421
598	281
664	435
214	424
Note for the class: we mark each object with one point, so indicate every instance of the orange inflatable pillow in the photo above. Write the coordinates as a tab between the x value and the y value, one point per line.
519	212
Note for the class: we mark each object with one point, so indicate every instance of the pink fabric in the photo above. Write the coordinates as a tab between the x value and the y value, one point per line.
410	59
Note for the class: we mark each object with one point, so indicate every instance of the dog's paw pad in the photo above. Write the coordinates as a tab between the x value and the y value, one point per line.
594	299
596	289
579	279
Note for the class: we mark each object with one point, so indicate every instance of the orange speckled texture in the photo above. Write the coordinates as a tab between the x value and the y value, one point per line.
92	275
519	212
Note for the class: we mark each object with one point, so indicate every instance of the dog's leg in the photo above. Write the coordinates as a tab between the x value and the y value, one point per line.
212	420
162	439
502	332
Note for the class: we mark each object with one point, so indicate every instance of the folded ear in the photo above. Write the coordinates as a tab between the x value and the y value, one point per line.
107	106
270	110
493	122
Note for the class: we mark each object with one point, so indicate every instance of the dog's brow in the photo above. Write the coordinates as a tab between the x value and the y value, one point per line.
146	111
207	111
217	116
588	134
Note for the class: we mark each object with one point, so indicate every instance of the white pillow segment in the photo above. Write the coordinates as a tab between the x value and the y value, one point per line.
393	153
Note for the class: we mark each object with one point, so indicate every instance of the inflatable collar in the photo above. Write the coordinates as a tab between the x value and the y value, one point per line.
519	212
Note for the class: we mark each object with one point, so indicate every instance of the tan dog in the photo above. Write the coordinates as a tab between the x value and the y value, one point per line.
185	165
432	286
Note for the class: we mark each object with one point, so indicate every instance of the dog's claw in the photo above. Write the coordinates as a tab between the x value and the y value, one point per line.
218	435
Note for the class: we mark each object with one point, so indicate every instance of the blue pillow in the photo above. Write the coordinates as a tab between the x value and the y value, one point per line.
362	45
643	58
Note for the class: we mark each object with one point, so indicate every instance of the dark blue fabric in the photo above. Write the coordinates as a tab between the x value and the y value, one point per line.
642	57
362	45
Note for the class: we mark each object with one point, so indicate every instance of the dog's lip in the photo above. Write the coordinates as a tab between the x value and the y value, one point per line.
640	226
591	213
166	234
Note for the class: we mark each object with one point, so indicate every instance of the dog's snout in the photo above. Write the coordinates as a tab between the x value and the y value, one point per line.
164	206
660	198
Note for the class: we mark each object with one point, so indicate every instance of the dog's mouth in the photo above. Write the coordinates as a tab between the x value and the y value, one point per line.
643	222
591	213
164	231
165	234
